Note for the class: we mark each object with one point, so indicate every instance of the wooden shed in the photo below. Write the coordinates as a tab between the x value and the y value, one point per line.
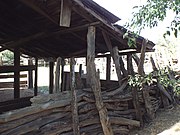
50	29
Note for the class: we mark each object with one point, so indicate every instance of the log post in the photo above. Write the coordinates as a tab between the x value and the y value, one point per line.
36	78
51	77
142	58
74	105
108	69
17	73
115	55
124	71
62	74
95	82
30	75
130	65
57	76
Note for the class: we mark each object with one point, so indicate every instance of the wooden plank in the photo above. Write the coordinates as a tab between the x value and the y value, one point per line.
65	14
75	117
51	77
57	76
12	76
17	73
36	78
95	82
8	69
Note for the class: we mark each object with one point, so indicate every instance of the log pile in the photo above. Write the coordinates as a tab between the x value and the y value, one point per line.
51	114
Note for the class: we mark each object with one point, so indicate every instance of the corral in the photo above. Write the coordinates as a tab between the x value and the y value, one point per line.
60	29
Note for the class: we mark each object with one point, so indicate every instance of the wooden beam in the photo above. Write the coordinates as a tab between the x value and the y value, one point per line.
115	55
94	82
17	73
8	69
62	74
65	14
42	35
30	4
75	118
130	65
36	78
51	77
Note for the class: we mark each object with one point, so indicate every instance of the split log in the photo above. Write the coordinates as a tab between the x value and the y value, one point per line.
95	82
124	121
75	119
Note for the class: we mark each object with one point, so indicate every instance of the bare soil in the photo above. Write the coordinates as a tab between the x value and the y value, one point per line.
167	122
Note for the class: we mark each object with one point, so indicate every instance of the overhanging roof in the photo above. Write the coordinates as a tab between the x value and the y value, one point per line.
33	25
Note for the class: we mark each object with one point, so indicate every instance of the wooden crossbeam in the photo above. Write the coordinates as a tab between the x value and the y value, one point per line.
42	35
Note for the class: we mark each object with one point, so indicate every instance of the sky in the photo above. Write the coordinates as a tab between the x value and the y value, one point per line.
124	8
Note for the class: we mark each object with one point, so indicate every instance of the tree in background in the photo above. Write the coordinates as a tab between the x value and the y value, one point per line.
152	12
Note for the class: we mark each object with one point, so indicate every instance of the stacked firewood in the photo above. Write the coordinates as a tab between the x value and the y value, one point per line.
51	114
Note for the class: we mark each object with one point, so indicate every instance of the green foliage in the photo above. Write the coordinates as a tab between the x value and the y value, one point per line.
131	38
8	56
161	75
138	80
154	11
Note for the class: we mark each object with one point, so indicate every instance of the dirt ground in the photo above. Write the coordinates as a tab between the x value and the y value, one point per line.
167	122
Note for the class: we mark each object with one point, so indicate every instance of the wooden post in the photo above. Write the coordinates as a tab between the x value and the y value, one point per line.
17	73
65	14
51	77
36	78
74	105
115	55
141	63
30	75
57	76
124	71
130	65
62	74
95	82
80	70
108	68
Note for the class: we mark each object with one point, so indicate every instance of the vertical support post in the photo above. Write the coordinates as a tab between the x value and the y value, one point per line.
36	78
30	75
57	76
62	74
130	65
74	99
51	77
108	68
94	82
80	70
115	55
17	73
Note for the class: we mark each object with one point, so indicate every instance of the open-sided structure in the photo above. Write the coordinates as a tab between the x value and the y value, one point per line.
68	29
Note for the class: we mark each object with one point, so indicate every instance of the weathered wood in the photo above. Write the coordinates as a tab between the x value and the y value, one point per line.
36	78
108	68
142	57
95	82
30	75
65	14
17	73
75	117
51	77
57	76
130	65
137	105
115	55
121	63
148	104
62	74
124	121
136	59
